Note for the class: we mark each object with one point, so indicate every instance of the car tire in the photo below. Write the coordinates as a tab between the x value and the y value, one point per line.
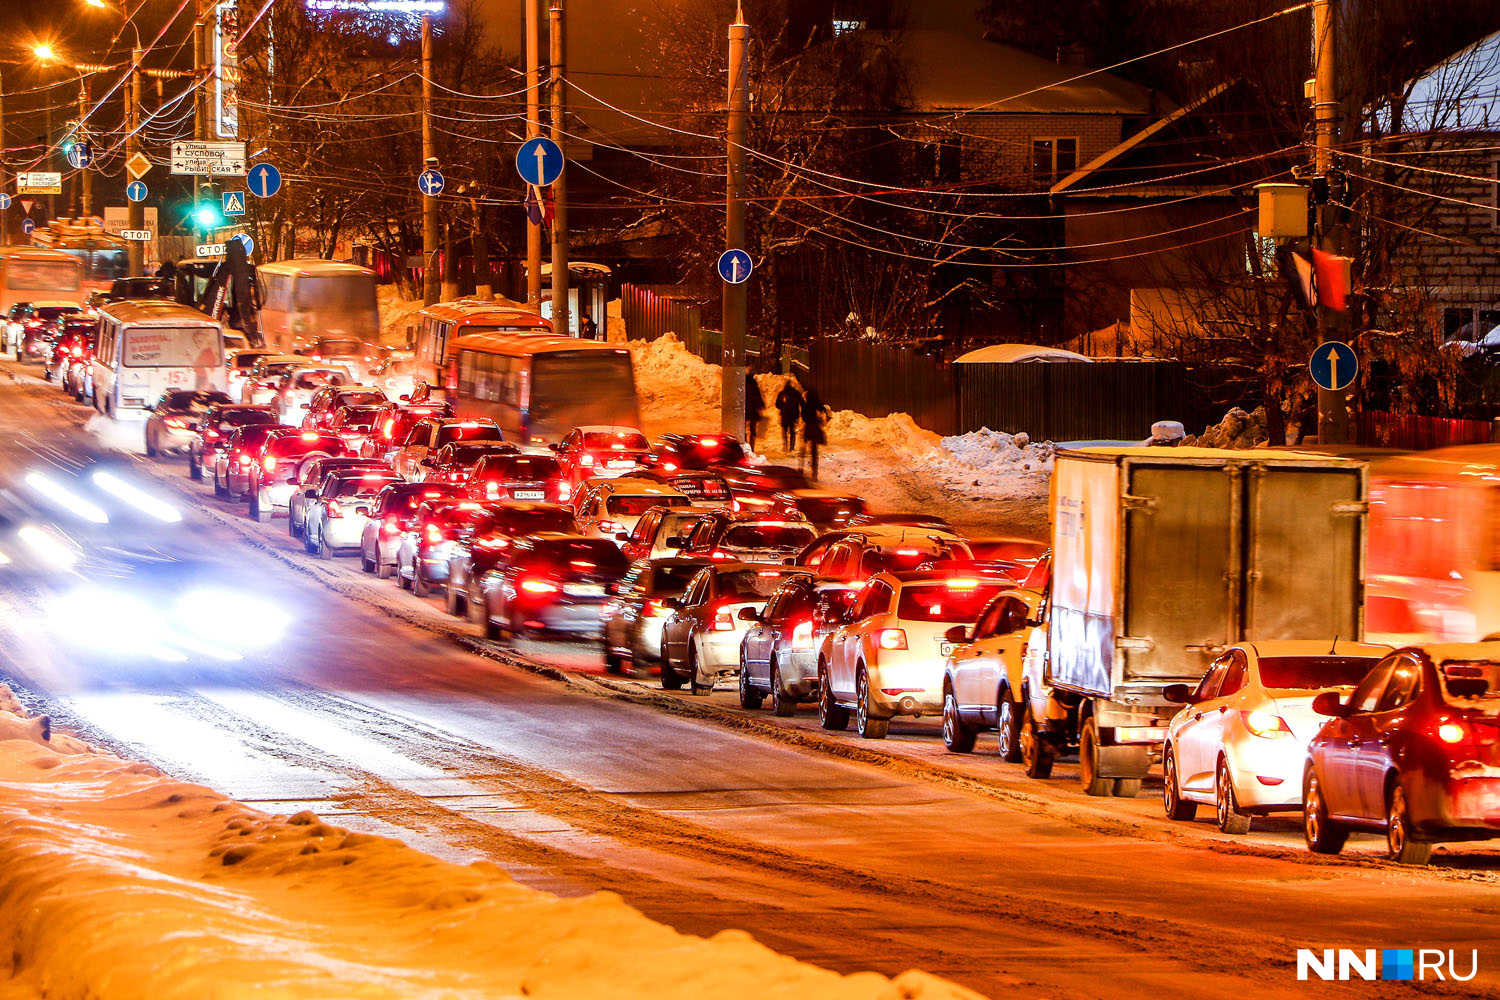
1323	835
309	545
750	698
452	602
957	737
831	715
383	569
365	564
1008	728
699	690
866	725
401	580
783	705
1176	807
1088	761
611	661
325	551
1037	755
259	511
671	680
1227	812
1400	843
419	584
219	490
516	626
491	627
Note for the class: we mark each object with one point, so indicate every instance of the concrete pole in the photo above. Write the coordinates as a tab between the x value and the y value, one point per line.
85	175
1333	405
200	119
4	180
136	210
431	276
559	96
533	129
736	319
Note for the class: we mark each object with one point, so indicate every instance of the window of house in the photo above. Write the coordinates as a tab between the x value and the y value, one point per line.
844	25
1053	159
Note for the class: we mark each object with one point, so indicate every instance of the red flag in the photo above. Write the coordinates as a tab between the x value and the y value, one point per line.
551	201
1332	275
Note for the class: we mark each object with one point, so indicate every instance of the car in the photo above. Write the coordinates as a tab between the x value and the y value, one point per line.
422	553
609	508
172	424
1240	740
231	464
279	465
73	337
550	583
298	386
263	382
336	519
426	394
756	486
697	451
396	376
31	326
512	476
391	516
78	372
455	461
412	460
779	651
699	485
824	509
1414	753
700	642
310	477
984	685
475	552
1016	559
601	451
354	425
137	287
747	536
925	542
239	365
394	424
660	531
633	619
888	660
326	401
214	428
351	353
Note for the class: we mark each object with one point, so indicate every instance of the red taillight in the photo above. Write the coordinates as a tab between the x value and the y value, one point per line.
392	526
77	351
492	490
610	527
1266	725
1458	732
177	422
709	442
891	638
493	544
211	434
538	587
434	534
669	466
564	491
656	609
723	621
802	637
333	508
962	584
244	459
388	428
586	460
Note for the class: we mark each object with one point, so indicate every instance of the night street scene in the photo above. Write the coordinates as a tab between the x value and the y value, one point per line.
749	499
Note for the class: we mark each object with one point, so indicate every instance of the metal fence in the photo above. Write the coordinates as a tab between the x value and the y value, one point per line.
1410	432
651	311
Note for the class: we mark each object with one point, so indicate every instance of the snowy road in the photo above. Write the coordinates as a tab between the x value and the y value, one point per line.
378	710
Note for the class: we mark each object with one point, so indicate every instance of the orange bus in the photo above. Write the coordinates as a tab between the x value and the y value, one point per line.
444	322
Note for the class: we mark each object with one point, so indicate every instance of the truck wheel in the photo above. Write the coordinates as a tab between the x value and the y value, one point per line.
1009	727
1323	835
1401	847
1037	754
1227	810
831	715
868	727
1171	792
957	737
1088	761
1127	788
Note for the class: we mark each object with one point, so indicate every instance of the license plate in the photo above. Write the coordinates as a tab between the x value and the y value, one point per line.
530	495
622	464
584	589
947	648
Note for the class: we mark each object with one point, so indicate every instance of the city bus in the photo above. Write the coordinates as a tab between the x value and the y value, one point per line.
145	347
102	254
307	300
32	274
538	387
444	322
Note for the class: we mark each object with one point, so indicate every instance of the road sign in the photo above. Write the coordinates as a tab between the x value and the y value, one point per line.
137	165
234	203
136	190
80	155
39	182
136	235
430	183
539	161
27	225
209	250
245	239
26	204
735	266
265	180
213	159
1333	365
4	201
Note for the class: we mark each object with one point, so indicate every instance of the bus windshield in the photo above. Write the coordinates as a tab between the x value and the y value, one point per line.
574	389
335	291
172	347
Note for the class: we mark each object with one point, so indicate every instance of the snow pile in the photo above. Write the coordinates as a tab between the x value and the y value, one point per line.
997	452
119	883
1238	429
670	378
396	315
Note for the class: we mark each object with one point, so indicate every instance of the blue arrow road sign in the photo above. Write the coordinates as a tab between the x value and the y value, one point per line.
4	201
264	180
539	161
245	239
1333	365
136	191
735	266
80	156
234	203
430	183
27	225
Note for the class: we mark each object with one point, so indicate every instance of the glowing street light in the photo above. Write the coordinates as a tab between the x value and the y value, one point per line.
44	52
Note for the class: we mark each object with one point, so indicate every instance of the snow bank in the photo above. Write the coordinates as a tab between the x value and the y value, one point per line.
396	313
119	883
1238	429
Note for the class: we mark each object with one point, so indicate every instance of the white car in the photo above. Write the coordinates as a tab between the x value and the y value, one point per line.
1240	741
397	376
888	658
700	642
263	382
983	682
336	520
298	387
609	508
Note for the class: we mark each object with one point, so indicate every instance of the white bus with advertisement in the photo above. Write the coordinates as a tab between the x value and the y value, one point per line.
144	347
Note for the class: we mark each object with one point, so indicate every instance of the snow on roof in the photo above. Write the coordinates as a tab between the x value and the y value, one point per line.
1012	353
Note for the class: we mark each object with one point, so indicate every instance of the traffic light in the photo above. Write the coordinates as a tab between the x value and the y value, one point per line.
206	214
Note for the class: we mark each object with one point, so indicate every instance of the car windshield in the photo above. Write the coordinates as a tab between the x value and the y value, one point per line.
523	467
630	506
319	377
305	443
362	397
587	556
768	536
53	312
672	581
615	441
468	432
363	417
1007	550
239	418
1468	681
365	483
408	497
754	583
466	454
1310	672
252	436
953	601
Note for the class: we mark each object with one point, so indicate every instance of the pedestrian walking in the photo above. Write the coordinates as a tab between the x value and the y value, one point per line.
814	411
755	408
587	328
789	406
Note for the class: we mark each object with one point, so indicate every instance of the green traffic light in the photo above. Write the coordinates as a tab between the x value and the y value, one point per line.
206	216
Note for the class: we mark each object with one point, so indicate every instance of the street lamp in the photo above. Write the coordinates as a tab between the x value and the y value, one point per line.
44	52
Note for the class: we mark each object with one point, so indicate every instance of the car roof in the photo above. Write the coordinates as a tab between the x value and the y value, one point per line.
905	576
638	487
607	428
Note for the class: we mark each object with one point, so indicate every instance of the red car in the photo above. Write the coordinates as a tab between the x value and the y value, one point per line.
1413	752
74	338
393	423
603	451
272	475
519	477
214	430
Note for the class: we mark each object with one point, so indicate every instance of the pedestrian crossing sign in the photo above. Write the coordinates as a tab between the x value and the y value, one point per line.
234	203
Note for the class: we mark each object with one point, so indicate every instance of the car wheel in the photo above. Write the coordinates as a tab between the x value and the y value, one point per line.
195	467
491	627
1037	754
309	543
750	698
1171	791
474	603
868	727
325	551
1322	834
1088	761
1226	807
782	703
671	680
365	564
1009	728
957	737
699	689
517	626
258	510
831	715
453	602
219	490
419	584
401	580
383	569
1400	843
150	443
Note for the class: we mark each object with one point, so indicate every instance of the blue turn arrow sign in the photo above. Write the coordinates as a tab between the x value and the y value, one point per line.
430	183
136	191
264	180
4	201
735	266
539	161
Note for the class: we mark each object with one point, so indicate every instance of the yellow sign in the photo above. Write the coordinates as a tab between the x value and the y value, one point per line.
39	182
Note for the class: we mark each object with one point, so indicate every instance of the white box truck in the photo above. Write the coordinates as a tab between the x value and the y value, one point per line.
1161	558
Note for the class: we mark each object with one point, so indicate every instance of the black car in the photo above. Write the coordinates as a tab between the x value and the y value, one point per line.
699	485
475	553
172	424
551	583
519	477
214	428
697	451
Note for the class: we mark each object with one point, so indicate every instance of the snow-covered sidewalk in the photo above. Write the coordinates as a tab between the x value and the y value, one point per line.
119	882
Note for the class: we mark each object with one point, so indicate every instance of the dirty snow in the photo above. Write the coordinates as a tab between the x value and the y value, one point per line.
120	883
395	314
121	435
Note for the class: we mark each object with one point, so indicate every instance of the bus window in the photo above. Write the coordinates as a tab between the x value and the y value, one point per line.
334	291
23	275
571	389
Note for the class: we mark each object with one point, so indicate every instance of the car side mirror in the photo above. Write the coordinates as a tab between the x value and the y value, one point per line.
958	633
748	615
673	542
362	511
1178	694
406	397
622	536
427	462
1329	703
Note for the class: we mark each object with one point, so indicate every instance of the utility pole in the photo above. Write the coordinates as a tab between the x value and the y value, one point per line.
533	129
200	120
431	279
85	174
4	215
559	96
135	210
732	392
1333	405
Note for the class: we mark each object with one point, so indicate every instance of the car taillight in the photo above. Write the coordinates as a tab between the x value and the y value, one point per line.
586	460
388	428
610	527
534	586
175	422
891	638
492	490
1266	725
493	544
723	621
669	466
962	584
802	635
564	491
392	526
1458	732
268	463
77	351
656	609
244	459
434	534
333	508
211	434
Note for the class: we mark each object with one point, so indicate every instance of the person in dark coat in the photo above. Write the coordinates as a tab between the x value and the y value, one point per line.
587	328
789	405
755	408
814	411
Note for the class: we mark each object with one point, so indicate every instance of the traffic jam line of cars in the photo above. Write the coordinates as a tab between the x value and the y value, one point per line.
684	560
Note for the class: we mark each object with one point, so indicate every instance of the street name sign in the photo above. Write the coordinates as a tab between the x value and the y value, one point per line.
216	159
39	182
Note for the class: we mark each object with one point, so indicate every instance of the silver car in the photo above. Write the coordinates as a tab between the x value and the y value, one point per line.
634	618
336	521
779	652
